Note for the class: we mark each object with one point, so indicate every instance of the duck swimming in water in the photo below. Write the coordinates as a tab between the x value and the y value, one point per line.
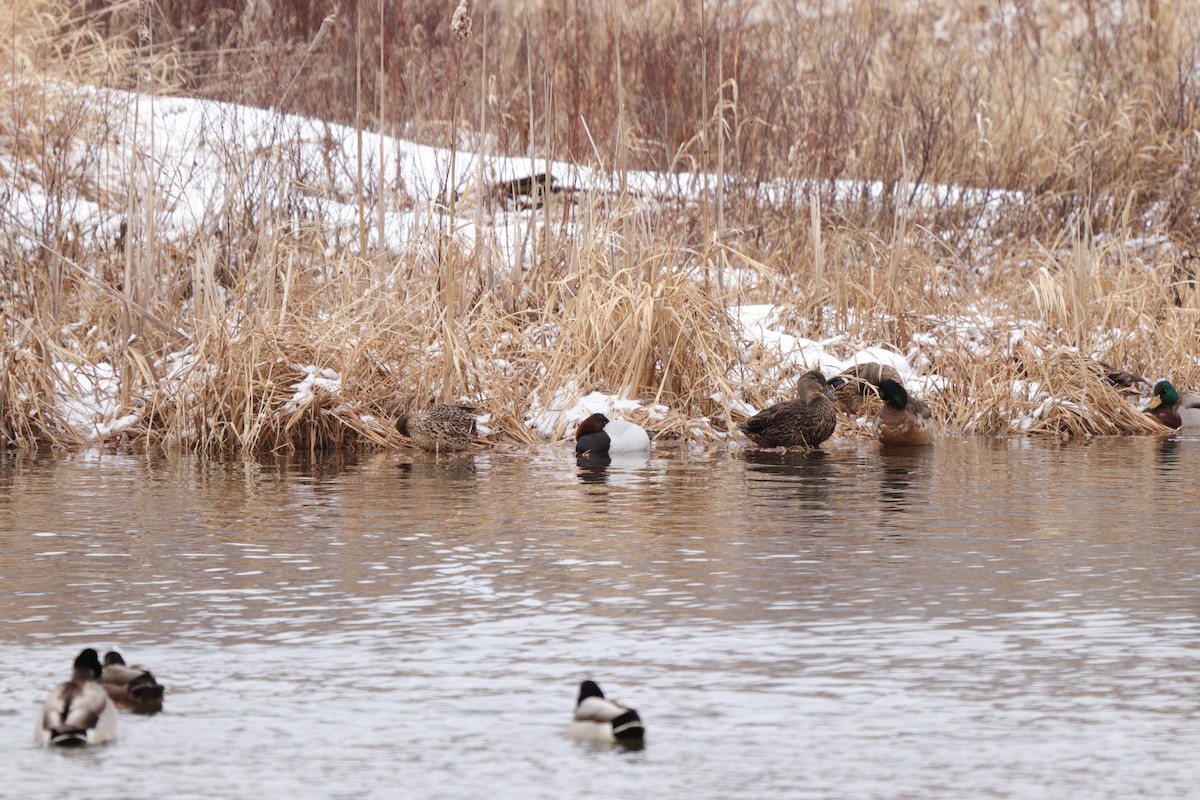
904	421
598	719
444	427
131	687
1173	409
804	422
598	435
78	712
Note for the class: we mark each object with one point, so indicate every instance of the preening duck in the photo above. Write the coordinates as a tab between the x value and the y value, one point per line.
131	687
804	422
598	719
856	387
1173	409
442	428
903	421
78	712
598	435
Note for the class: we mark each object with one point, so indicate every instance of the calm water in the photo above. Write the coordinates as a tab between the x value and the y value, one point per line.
983	620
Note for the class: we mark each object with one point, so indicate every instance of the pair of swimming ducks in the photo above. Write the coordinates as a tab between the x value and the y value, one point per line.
83	710
806	421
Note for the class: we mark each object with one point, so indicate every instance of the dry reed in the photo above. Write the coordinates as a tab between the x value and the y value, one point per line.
270	327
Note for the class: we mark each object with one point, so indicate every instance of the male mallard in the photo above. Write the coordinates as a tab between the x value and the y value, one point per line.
598	719
598	435
78	712
853	386
130	687
804	422
1173	409
444	427
903	421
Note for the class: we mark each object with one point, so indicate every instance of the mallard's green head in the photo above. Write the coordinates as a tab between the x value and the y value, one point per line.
893	393
1164	395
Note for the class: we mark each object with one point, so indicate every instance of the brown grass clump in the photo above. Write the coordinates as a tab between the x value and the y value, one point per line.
1002	195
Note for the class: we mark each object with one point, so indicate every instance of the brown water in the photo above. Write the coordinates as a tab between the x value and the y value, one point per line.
982	620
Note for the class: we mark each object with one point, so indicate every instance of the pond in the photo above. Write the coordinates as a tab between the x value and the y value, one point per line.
985	619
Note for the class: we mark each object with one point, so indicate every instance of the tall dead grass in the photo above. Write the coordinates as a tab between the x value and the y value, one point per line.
267	326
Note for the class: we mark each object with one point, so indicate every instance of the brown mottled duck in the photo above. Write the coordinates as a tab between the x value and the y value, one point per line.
443	428
854	387
804	422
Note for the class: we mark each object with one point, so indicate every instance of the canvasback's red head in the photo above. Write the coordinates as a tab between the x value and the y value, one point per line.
593	424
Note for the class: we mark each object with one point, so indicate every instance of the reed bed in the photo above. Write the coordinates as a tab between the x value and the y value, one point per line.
1004	201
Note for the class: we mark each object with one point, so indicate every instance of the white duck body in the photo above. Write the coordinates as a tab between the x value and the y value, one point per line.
598	719
599	435
79	711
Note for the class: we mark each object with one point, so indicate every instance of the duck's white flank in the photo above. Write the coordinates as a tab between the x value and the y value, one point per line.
626	437
598	719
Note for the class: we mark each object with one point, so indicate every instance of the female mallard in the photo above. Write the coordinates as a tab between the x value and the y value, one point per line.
441	428
598	435
903	421
130	687
598	719
854	386
1173	409
804	422
78	712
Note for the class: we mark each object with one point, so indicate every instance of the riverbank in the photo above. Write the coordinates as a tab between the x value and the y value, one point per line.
210	276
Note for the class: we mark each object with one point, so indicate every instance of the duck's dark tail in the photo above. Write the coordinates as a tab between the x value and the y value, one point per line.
628	727
68	737
146	690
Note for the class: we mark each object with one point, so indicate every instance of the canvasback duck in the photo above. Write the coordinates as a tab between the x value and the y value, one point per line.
598	435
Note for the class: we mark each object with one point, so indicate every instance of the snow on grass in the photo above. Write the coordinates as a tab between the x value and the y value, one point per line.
203	156
316	382
569	407
88	398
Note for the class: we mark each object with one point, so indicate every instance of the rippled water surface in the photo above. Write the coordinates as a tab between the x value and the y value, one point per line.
982	620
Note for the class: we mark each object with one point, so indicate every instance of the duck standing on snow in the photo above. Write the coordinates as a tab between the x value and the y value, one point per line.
78	712
903	421
442	428
1173	409
598	435
598	719
131	687
804	422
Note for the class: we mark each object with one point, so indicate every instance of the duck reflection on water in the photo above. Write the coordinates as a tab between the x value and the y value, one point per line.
624	468
903	473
